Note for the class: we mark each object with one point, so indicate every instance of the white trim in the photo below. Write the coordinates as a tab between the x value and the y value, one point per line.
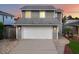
57	32
52	33
16	33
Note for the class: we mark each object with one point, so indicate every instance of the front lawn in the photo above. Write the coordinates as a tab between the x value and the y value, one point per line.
74	45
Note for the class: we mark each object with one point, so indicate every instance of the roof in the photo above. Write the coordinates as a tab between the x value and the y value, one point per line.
38	7
6	14
72	22
59	10
37	21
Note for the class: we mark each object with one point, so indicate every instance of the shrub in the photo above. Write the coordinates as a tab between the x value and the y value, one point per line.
68	32
1	30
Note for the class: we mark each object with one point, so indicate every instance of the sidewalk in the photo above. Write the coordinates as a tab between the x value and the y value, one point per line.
6	46
60	44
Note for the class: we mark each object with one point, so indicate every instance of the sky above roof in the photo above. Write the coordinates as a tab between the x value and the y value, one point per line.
14	9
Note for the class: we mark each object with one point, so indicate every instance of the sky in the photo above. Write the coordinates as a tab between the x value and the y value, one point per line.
68	9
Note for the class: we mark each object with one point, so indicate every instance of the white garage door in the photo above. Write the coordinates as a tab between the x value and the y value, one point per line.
36	33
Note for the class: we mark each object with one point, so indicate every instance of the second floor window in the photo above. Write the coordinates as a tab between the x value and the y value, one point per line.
42	14
28	14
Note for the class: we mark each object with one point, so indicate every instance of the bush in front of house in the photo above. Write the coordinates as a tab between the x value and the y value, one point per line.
1	30
68	32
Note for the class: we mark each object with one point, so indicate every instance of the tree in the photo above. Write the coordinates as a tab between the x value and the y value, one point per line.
76	18
64	19
1	26
69	17
68	32
1	30
16	18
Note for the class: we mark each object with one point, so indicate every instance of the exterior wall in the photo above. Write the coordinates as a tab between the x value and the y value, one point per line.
1	18
36	14
60	29
50	15
18	32
55	32
59	16
23	14
8	20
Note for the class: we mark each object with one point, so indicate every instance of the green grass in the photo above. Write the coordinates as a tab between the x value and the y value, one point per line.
74	45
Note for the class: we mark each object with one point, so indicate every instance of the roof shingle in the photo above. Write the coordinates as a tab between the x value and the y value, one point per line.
35	21
75	23
4	13
38	6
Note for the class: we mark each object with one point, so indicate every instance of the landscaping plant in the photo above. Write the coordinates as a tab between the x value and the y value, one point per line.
1	30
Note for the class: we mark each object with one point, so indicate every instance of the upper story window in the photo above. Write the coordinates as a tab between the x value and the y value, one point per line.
28	14
42	14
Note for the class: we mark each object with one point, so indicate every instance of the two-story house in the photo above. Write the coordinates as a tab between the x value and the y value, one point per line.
39	22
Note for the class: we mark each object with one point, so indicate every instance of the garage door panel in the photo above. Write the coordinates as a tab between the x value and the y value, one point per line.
36	33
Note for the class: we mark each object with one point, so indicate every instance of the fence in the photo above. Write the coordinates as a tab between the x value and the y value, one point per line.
9	33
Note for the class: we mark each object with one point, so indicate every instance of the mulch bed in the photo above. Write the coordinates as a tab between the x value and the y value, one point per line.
67	50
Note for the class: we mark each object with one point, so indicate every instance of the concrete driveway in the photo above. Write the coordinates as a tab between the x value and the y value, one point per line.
32	46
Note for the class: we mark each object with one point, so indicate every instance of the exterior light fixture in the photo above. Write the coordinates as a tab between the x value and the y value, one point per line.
54	28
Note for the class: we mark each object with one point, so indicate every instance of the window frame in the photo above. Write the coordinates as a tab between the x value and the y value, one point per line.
28	14
42	14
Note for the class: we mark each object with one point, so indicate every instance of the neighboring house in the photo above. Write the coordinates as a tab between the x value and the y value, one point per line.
8	21
73	24
6	18
39	22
